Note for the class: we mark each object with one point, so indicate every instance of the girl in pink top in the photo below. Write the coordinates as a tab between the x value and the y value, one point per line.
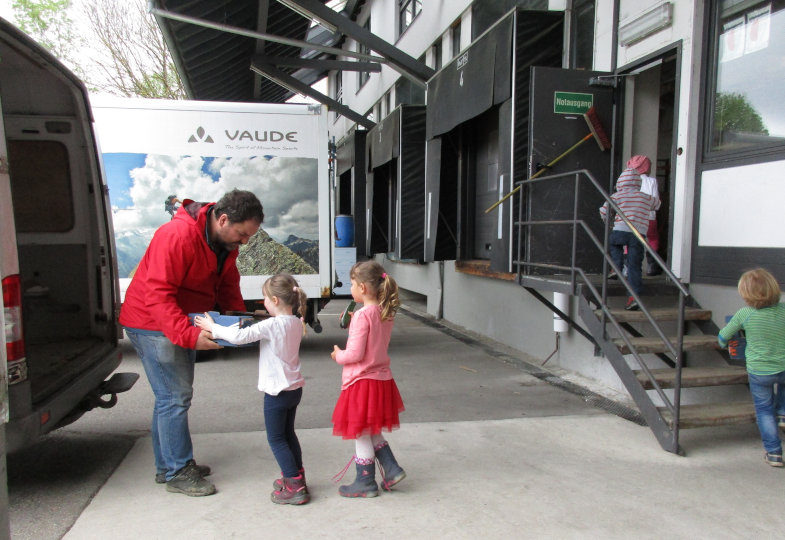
369	400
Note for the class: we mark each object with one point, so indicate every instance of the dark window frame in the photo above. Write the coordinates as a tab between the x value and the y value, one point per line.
718	158
363	76
338	91
406	8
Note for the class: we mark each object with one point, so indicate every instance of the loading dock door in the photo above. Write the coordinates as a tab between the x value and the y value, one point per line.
559	97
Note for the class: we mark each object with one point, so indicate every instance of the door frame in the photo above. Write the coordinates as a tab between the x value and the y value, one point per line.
623	123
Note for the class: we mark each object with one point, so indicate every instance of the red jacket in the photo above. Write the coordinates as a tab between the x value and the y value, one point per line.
177	275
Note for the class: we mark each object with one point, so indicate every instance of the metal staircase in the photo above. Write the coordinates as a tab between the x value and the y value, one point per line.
668	326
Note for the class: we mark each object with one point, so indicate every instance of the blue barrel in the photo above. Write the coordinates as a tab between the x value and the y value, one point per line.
344	231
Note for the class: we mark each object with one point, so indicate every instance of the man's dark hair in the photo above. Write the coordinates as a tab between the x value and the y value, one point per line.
239	206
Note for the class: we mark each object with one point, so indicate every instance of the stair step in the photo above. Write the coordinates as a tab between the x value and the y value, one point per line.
713	414
660	314
655	345
695	377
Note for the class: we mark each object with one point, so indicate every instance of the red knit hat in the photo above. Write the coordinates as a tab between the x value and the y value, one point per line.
641	163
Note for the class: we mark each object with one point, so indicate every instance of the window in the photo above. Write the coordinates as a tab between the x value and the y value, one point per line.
407	11
338	90
363	76
582	29
408	92
455	32
437	55
747	92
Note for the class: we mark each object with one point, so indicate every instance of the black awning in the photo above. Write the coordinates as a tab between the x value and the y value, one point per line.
384	139
344	154
397	159
473	82
412	188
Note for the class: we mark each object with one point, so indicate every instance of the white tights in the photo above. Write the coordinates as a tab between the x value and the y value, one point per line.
365	444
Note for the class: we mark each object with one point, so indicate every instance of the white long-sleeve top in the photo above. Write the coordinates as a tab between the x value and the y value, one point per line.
279	350
649	187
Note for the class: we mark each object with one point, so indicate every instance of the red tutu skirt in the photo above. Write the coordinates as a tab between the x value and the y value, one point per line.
366	408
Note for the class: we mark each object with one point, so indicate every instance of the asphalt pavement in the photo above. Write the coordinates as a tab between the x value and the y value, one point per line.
493	446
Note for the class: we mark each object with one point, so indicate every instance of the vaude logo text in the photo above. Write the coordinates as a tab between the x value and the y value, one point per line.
246	136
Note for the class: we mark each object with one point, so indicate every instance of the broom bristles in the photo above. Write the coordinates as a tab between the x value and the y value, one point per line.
595	126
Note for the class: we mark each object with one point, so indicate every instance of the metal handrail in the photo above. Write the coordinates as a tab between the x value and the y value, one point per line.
601	296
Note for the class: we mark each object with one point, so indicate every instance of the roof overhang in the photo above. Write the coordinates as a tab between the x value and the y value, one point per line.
264	51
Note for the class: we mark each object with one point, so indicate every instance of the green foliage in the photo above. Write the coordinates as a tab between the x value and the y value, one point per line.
734	113
117	48
48	22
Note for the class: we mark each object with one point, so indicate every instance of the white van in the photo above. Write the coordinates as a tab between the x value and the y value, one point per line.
59	283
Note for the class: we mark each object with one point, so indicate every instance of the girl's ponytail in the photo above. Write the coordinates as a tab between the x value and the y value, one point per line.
388	297
302	307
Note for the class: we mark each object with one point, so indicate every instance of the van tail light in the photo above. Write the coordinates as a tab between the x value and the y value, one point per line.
14	341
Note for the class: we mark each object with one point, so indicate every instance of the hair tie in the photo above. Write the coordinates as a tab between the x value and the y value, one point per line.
294	288
384	275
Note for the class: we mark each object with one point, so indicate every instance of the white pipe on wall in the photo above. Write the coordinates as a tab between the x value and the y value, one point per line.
561	301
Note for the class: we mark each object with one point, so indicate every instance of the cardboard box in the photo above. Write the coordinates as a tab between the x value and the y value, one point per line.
228	320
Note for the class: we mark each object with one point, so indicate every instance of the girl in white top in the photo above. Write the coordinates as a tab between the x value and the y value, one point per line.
279	376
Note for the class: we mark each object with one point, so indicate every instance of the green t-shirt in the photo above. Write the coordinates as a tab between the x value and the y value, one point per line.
765	332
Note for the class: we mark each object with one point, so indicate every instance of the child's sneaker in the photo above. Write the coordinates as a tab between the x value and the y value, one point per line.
775	460
632	304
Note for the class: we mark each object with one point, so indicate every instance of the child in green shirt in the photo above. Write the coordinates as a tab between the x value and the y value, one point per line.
763	322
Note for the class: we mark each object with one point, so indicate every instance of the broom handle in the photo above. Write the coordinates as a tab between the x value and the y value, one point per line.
538	173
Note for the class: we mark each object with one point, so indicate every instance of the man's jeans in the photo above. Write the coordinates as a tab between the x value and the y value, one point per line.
616	242
279	413
768	405
170	370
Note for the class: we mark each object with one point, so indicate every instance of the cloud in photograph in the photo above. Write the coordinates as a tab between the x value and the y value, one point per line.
287	188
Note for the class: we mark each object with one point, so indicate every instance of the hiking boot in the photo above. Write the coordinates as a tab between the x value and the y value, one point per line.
189	481
278	482
632	304
775	460
392	473
204	470
364	484
293	491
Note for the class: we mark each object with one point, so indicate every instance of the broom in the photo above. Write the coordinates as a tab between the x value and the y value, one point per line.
595	130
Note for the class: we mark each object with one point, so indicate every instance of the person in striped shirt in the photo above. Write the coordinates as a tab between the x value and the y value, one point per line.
763	322
636	207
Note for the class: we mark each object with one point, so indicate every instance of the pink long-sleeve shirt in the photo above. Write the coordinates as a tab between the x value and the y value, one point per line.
365	356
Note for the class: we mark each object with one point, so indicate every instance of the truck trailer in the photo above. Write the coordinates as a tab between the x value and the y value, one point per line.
159	153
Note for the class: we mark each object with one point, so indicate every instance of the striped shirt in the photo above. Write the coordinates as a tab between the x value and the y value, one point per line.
765	332
635	204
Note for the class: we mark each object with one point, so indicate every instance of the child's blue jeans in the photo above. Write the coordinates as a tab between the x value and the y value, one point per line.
769	403
279	413
616	242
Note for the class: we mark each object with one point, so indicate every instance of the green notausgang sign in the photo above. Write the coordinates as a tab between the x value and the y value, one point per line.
572	102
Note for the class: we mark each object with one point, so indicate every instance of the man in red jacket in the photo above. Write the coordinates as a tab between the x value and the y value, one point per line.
189	267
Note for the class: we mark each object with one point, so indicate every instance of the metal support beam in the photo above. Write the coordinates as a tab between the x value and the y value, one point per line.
409	67
259	35
294	85
343	65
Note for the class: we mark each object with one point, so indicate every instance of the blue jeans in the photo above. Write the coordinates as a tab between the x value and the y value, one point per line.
279	413
768	395
170	370
616	242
